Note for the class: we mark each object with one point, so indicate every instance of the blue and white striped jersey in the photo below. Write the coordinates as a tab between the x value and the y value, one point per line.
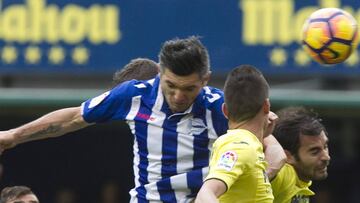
171	150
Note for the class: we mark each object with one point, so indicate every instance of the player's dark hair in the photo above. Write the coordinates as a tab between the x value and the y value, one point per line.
293	122
184	57
139	69
10	193
245	92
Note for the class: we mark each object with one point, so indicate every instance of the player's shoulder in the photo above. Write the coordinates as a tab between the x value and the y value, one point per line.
238	146
209	90
288	171
135	87
286	174
234	140
213	97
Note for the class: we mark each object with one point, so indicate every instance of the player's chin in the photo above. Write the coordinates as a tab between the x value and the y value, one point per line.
321	174
179	107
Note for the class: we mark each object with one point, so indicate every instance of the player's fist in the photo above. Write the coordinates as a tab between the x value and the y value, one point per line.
271	123
7	140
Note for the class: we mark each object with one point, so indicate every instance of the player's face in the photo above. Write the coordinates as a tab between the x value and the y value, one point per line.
180	91
30	198
313	157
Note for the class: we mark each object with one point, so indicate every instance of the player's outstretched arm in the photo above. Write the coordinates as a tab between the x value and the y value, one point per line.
54	124
210	191
274	155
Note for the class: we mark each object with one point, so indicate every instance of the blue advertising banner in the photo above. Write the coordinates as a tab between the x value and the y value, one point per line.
94	37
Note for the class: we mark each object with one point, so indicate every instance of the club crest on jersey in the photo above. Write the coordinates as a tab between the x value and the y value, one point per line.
300	199
97	100
227	160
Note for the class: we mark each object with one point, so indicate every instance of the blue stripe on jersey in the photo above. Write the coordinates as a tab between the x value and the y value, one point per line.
219	121
169	147
194	179
166	193
141	200
201	151
141	138
201	159
169	157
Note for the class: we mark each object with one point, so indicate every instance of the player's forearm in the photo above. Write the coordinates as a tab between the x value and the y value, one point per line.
274	155
206	196
210	191
54	124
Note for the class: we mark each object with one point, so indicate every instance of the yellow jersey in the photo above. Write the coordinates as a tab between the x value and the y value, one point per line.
288	188
238	160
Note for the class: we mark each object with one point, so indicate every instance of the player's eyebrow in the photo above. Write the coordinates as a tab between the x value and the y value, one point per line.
171	83
313	148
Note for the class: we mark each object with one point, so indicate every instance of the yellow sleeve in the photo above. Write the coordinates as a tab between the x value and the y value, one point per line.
278	182
282	183
229	161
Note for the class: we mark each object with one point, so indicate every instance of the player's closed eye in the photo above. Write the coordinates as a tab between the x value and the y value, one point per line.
170	85
315	152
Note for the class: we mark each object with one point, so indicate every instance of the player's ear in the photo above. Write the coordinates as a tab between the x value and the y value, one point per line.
158	67
225	110
290	158
206	78
266	106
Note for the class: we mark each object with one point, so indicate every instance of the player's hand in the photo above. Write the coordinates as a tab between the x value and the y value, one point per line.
7	140
271	124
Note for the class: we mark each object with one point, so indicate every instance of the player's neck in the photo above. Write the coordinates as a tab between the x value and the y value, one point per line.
254	125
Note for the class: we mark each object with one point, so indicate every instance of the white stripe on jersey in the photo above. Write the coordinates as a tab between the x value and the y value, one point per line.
141	85
134	109
178	182
154	138
211	131
136	162
212	137
205	172
185	153
151	82
185	148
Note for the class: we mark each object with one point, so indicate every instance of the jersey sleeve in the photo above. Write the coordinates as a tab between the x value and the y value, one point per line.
111	105
278	182
283	181
229	161
216	100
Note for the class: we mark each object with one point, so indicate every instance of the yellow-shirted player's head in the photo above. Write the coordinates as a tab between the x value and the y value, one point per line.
138	69
21	194
304	139
246	93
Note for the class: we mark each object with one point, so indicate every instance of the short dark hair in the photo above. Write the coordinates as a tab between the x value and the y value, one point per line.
10	193
184	57
245	92
139	69
293	122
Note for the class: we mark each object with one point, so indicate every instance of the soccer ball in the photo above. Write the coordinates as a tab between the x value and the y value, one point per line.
330	35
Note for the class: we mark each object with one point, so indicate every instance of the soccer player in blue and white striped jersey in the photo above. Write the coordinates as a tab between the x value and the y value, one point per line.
174	117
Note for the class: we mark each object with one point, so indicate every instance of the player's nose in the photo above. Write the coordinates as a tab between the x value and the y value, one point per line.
179	96
326	156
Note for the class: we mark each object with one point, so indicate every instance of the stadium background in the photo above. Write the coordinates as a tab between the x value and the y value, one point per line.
56	54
